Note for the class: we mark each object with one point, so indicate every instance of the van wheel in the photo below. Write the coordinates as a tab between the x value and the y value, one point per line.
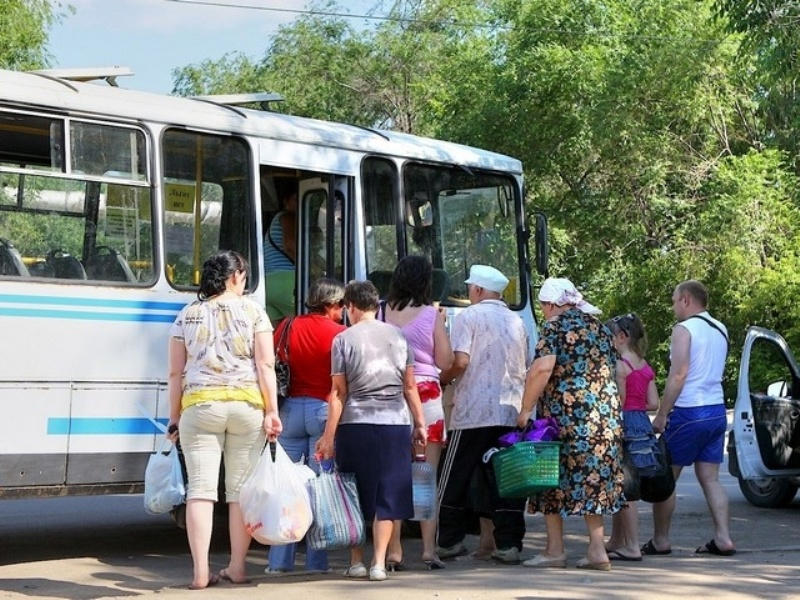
768	492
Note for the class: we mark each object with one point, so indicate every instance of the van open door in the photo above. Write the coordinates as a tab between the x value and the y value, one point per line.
767	419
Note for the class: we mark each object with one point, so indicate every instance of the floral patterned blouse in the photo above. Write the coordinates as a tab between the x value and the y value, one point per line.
219	335
582	395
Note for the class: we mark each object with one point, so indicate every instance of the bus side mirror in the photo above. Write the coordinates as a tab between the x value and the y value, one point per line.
542	247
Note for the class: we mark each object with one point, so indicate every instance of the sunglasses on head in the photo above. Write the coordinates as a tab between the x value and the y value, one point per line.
618	322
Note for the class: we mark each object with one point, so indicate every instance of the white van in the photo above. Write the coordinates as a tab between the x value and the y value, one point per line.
764	446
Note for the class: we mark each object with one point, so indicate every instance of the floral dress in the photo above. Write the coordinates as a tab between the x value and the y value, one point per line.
582	396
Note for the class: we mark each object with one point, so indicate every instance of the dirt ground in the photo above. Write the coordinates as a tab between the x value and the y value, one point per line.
767	564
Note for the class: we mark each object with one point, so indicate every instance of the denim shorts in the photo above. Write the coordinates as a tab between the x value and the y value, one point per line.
696	434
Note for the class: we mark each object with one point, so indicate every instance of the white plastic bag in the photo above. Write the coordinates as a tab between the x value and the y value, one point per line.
274	499
163	481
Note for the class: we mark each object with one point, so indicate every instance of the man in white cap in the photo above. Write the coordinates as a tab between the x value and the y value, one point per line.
491	347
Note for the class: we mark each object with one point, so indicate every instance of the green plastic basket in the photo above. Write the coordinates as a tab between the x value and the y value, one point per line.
526	468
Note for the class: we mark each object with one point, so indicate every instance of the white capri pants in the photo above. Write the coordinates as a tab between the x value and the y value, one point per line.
233	429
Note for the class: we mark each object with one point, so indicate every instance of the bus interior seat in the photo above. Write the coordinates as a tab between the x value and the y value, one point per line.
65	266
381	280
440	285
107	264
42	269
11	261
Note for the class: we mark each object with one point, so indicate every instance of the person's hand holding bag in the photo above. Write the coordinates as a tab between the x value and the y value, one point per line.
324	448
272	424
265	368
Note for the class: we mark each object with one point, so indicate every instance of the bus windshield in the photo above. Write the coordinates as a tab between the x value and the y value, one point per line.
458	218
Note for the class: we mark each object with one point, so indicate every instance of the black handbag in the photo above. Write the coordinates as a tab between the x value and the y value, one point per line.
283	374
631	482
659	487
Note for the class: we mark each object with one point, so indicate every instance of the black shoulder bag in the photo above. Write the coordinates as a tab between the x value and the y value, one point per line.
282	372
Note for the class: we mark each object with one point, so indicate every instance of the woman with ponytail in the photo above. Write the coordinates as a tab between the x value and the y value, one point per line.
223	400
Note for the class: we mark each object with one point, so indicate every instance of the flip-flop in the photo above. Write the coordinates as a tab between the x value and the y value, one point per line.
712	548
585	563
223	575
212	581
395	566
617	555
649	549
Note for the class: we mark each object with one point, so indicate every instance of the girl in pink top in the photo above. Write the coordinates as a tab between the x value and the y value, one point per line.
409	307
637	390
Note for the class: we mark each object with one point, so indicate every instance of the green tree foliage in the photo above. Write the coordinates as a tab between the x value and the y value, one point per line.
24	25
659	137
771	40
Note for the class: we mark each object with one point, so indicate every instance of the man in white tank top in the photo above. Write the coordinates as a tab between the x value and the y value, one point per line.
691	414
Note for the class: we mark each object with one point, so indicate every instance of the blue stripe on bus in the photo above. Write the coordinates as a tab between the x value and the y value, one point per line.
102	302
101	426
90	316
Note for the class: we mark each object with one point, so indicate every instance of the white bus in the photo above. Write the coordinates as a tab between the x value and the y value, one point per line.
111	199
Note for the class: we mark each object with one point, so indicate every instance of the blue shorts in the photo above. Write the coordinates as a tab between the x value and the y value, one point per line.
696	434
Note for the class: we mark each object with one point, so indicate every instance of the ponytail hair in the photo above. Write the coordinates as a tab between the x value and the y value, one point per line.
632	326
217	270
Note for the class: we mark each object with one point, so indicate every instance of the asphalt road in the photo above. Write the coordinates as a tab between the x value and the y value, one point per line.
107	547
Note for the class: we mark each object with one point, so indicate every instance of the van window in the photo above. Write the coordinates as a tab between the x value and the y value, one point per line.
207	203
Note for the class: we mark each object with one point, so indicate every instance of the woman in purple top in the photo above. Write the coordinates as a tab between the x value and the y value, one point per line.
409	308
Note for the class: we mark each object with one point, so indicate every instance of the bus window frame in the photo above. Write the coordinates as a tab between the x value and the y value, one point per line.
254	273
66	119
519	225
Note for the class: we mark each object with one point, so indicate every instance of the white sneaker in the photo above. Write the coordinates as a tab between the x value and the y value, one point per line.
451	551
540	561
509	556
356	570
377	574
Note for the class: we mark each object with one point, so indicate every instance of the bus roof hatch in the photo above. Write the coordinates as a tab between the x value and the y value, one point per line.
109	74
261	98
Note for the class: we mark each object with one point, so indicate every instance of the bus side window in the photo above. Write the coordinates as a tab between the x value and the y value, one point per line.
380	187
66	228
207	203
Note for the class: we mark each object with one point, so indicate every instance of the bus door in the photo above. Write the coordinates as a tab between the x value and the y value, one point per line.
304	231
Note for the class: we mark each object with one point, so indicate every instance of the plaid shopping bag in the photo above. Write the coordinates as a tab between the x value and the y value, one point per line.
338	522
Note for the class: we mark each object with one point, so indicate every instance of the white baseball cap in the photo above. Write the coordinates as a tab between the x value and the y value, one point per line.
488	278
